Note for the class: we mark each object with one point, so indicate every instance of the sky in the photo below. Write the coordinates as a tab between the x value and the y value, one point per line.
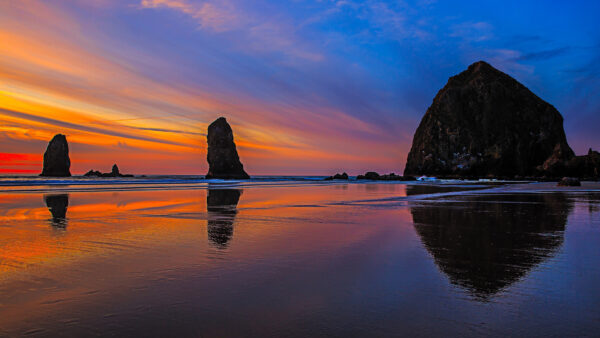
309	87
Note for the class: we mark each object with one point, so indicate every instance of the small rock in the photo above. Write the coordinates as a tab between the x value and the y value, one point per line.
337	176
371	175
569	182
93	173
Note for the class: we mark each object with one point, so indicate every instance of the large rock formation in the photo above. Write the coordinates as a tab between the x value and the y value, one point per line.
223	159
484	123
56	158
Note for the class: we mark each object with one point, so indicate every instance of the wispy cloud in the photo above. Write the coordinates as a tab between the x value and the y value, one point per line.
219	16
256	32
544	54
472	31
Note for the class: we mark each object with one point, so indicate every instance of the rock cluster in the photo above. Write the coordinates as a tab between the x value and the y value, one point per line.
114	173
56	158
337	176
569	182
222	157
484	123
371	175
585	166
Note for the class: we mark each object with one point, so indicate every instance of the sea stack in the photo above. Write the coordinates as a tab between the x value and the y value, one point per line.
56	158
222	157
484	123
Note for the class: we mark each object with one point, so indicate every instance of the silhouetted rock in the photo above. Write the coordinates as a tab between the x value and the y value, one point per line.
57	205
113	173
484	123
485	243
221	206
586	166
569	182
56	158
93	173
222	157
371	175
337	176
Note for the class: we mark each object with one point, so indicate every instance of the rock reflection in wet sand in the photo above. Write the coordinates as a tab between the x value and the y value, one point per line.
486	243
222	208
57	205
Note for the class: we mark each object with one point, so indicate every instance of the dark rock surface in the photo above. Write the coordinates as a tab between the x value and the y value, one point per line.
222	157
93	173
373	176
569	182
484	123
114	173
586	166
394	177
56	158
337	176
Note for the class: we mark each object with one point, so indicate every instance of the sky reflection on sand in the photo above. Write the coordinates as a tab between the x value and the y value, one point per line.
293	260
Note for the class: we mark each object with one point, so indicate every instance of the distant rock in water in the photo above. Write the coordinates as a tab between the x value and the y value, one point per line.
93	173
484	123
223	159
337	176
374	176
56	158
370	175
569	182
114	173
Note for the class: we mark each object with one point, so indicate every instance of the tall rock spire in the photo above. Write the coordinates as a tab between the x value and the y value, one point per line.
56	158
222	157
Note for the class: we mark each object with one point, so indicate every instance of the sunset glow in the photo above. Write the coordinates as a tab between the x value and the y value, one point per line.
308	87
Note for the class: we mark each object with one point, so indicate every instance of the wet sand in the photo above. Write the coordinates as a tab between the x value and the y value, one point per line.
287	259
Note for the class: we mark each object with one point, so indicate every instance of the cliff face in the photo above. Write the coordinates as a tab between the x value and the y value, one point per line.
222	157
56	158
484	123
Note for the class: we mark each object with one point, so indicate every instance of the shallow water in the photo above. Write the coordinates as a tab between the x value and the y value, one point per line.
298	258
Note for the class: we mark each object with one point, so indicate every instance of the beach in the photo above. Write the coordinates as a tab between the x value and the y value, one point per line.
297	257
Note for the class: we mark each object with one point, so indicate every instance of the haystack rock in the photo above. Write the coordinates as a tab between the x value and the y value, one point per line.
223	159
484	123
56	158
